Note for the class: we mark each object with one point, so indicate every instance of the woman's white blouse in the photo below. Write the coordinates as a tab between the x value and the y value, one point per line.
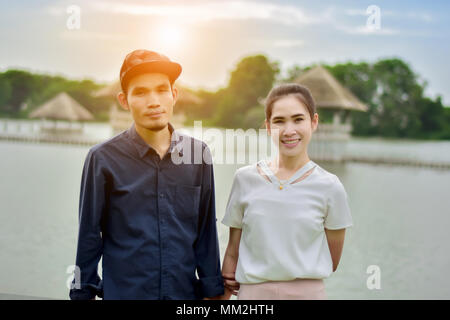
283	236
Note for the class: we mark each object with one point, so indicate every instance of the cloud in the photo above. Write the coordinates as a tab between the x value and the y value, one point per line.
288	43
364	30
393	16
207	11
56	11
90	35
363	12
422	16
425	17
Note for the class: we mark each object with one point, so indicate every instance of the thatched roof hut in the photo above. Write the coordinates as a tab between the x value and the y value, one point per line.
62	107
329	141
328	92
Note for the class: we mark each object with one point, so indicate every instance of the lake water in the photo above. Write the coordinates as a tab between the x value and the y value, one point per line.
401	218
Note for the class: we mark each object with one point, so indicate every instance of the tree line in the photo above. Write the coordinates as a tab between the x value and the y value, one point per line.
22	91
394	94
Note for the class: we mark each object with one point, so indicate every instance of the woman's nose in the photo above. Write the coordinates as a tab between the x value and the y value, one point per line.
289	129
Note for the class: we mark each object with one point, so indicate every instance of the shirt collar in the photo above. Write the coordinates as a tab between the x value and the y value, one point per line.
142	147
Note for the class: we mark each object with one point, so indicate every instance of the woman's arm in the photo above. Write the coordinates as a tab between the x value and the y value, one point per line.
335	240
230	263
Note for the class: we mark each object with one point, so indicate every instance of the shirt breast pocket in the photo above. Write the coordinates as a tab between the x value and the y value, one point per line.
187	200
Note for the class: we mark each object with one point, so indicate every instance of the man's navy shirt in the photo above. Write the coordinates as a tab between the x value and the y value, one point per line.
151	220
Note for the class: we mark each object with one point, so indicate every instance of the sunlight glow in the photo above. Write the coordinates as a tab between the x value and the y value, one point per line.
170	36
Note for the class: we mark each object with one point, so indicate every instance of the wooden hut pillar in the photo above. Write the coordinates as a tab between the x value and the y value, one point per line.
336	118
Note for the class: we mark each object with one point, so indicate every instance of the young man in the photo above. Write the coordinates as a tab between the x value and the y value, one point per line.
150	218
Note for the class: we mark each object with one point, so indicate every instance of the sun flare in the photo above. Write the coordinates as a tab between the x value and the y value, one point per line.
170	36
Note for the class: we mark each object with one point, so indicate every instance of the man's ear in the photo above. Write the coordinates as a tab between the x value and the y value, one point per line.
122	98
174	94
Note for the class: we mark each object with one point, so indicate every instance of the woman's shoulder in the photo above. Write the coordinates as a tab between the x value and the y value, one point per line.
326	177
243	177
328	183
245	171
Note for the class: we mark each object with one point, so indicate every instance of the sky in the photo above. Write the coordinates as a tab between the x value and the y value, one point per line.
89	38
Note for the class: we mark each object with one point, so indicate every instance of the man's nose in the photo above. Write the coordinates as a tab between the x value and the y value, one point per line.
152	100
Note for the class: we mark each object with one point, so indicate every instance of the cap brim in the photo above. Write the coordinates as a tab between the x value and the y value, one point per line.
171	69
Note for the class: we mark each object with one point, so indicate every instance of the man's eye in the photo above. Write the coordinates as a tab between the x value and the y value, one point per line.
298	120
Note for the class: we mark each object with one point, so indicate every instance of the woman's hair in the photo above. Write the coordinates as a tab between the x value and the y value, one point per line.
300	92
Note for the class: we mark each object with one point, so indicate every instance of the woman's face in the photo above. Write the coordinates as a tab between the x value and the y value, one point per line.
291	126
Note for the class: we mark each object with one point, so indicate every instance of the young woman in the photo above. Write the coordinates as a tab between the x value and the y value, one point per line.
287	216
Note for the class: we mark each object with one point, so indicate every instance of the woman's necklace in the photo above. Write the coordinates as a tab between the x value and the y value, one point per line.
281	184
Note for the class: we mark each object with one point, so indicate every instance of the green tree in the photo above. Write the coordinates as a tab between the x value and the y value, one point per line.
445	133
206	109
22	85
293	73
395	99
18	87
434	122
5	93
250	81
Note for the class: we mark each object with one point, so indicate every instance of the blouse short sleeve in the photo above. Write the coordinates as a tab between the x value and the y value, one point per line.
338	211
234	211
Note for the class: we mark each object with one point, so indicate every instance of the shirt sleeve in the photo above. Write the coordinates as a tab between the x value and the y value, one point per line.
90	243
338	211
234	212
210	283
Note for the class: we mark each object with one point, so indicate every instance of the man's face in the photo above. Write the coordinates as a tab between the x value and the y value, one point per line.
150	100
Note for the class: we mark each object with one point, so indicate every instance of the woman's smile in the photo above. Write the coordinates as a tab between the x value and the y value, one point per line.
290	143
